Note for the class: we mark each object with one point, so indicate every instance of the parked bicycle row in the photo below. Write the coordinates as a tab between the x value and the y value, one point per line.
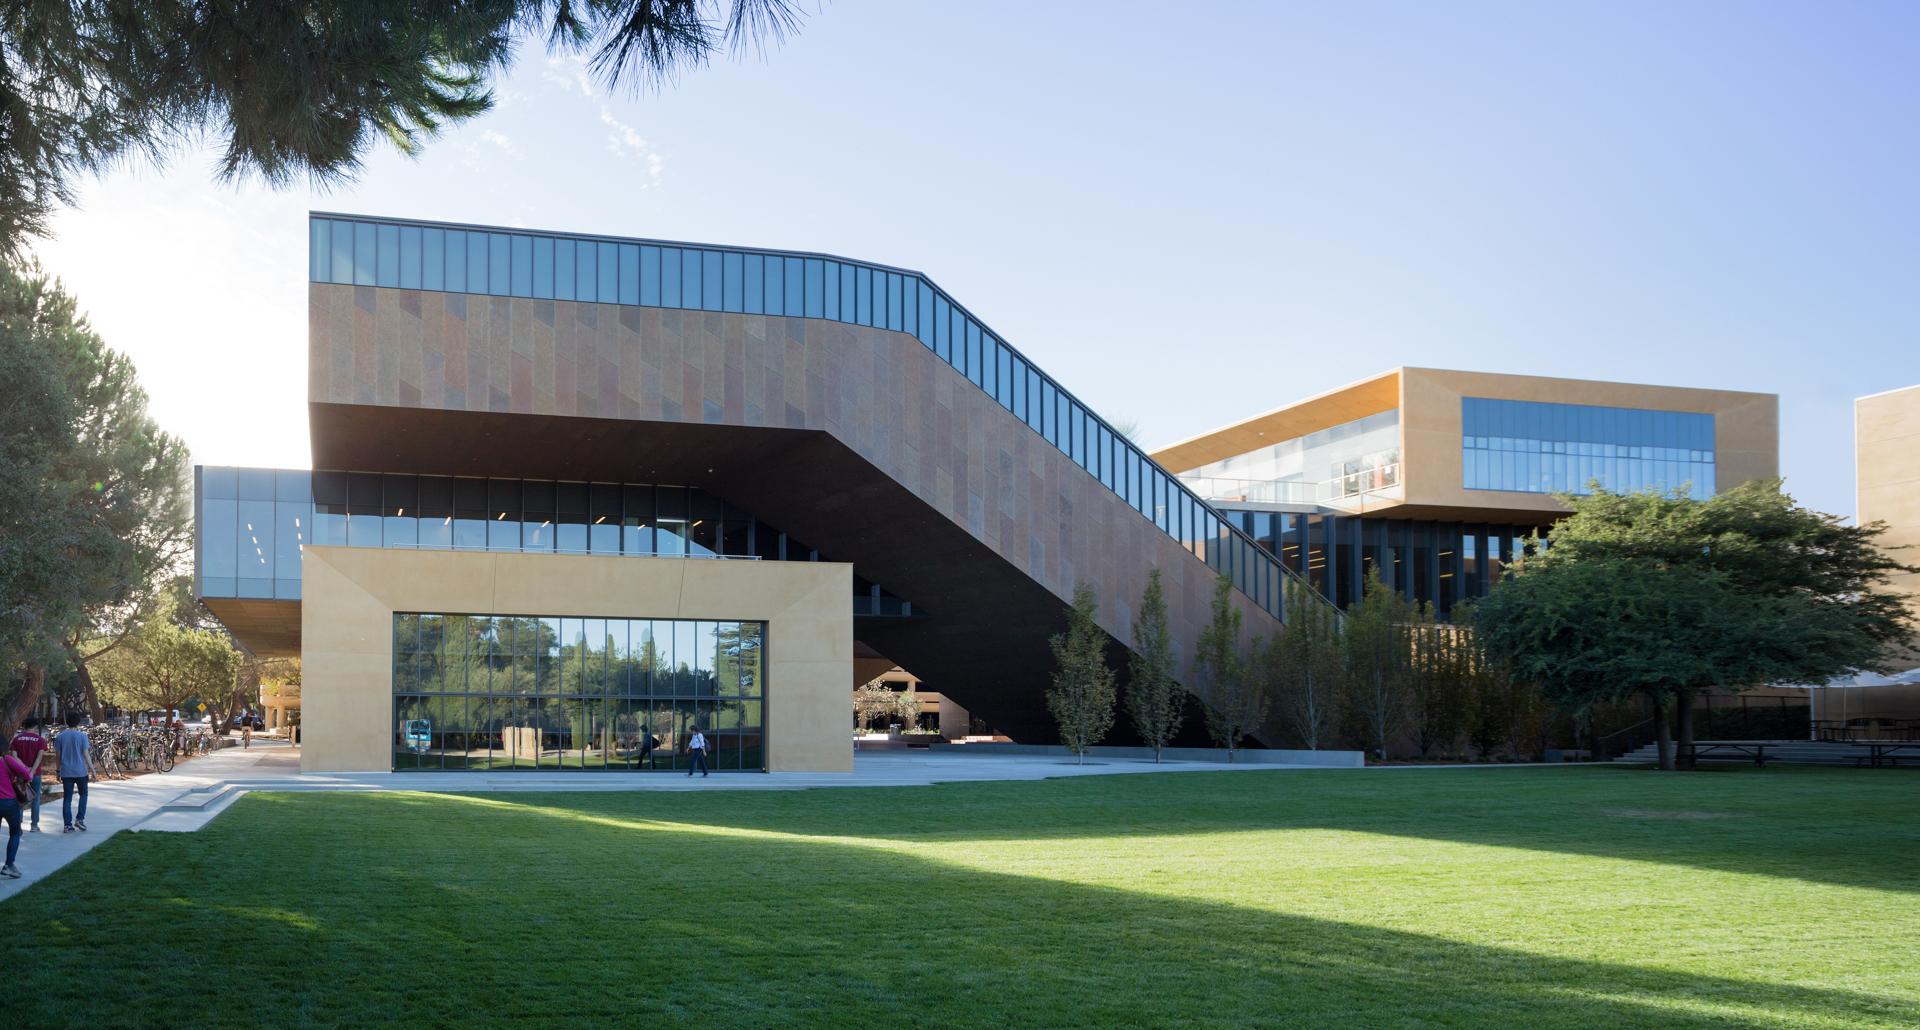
75	756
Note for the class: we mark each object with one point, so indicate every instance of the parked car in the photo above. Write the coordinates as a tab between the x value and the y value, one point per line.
240	721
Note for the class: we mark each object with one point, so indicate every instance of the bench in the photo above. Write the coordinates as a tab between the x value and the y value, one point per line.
1888	753
1755	753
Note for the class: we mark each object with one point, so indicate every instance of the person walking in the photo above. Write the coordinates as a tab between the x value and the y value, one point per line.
14	778
31	749
697	750
75	751
246	730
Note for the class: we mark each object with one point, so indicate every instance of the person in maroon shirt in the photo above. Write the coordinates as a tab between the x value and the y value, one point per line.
29	747
11	771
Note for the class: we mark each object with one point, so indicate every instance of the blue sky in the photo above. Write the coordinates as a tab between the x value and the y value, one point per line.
1189	215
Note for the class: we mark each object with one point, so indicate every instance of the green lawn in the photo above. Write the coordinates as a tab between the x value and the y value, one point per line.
1509	897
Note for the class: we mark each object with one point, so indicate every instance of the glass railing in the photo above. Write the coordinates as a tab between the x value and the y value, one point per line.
1342	492
408	254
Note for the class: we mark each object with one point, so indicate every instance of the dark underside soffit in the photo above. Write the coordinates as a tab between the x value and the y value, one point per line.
985	645
270	629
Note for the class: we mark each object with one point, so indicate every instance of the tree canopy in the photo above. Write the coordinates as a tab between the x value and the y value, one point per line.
93	496
1668	597
301	88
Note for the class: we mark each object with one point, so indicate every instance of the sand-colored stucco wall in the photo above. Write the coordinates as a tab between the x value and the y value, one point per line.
350	595
1886	443
1746	429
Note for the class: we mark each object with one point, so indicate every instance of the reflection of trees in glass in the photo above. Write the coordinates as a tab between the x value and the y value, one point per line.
737	665
524	691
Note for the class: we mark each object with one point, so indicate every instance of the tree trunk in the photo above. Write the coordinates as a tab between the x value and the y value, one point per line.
1683	707
89	692
1664	726
29	695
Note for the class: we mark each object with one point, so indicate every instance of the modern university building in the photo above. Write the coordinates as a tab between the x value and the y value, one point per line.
573	496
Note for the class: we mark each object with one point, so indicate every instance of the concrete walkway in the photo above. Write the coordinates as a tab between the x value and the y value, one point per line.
115	805
199	790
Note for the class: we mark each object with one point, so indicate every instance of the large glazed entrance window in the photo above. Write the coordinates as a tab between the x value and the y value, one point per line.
556	692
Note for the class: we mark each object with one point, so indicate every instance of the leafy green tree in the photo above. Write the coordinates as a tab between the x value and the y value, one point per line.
1601	629
164	665
300	88
1791	595
1235	697
1082	695
1304	665
906	708
1155	700
1766	545
1377	652
93	496
872	700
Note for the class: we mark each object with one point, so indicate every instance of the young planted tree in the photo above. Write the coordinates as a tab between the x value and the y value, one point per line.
1377	652
1236	698
906	708
1081	698
1303	664
871	701
1438	682
1155	699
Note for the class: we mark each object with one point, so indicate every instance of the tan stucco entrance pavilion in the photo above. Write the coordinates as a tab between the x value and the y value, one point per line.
350	596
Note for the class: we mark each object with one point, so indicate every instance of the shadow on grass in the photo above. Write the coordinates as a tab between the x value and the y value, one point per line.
421	909
1836	826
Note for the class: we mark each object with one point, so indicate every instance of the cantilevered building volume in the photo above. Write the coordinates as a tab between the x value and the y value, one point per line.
573	496
1438	476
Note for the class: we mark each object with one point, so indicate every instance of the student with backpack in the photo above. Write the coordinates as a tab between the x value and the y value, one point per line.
31	749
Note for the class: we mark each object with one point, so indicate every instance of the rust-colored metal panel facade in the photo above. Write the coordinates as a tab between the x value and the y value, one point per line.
860	439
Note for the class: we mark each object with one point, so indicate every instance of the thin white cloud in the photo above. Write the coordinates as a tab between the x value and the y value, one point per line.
500	140
568	74
625	142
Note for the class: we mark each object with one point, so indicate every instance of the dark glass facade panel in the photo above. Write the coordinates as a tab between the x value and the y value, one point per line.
497	692
251	524
1430	562
1535	447
755	282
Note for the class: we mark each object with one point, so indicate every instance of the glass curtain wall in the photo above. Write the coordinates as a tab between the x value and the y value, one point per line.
1535	447
253	523
471	259
1438	563
561	693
